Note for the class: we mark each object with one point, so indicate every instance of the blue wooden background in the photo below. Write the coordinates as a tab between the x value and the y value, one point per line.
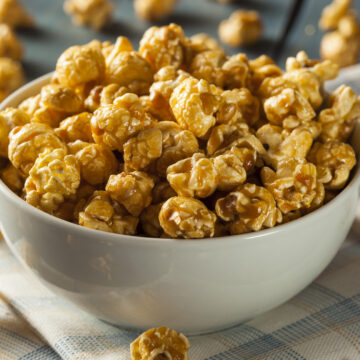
290	25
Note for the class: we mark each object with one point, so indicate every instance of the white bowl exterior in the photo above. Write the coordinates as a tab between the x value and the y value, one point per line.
194	286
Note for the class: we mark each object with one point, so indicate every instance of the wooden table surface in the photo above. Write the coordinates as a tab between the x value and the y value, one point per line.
290	26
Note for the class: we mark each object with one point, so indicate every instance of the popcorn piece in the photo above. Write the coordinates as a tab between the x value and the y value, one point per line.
249	208
54	176
30	105
11	76
242	28
80	65
103	213
132	190
339	119
334	161
162	46
153	10
205	41
185	217
95	13
149	220
262	68
194	104
76	127
14	15
27	142
161	192
160	343
12	178
127	68
293	185
10	45
332	14
141	150
113	125
237	72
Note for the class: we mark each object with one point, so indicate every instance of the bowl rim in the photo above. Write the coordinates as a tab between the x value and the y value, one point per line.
354	182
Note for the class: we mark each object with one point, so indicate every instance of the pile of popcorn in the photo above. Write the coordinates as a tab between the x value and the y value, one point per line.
179	140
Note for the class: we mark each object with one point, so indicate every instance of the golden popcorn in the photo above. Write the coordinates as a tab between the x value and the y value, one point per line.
10	45
205	41
160	343
241	28
11	76
186	217
262	68
29	141
12	178
95	13
76	127
237	72
132	190
54	176
249	208
161	192
153	10
332	14
14	15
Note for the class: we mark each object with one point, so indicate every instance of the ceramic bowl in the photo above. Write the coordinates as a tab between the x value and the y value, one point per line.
194	286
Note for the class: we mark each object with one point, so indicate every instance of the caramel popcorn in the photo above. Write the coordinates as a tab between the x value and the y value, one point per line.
103	213
163	46
14	15
149	221
153	10
76	127
29	141
132	190
332	14
186	217
161	192
95	13
194	104
249	208
242	28
334	161
160	343
10	45
54	176
237	72
11	76
12	178
205	42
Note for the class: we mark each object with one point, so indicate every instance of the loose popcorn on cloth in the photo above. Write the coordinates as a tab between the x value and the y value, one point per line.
179	140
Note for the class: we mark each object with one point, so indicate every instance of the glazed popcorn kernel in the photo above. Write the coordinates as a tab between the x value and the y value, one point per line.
76	127
12	178
113	125
332	14
9	119
162	46
241	28
194	104
237	72
334	161
10	45
204	41
54	176
153	10
141	150
14	15
195	176
95	13
127	68
97	163
186	217
102	213
161	192
149	221
293	185
160	343
238	105
338	120
11	76
80	65
27	142
132	190
249	208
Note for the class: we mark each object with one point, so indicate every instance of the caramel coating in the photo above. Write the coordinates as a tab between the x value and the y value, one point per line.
76	127
11	76
94	13
194	104
241	28
186	217
153	10
161	192
10	45
237	72
54	176
12	178
204	41
14	15
132	190
332	14
249	208
29	141
160	343
163	46
334	161
102	213
113	125
80	65
262	68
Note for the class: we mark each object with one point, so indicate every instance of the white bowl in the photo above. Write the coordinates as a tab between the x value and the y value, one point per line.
194	286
